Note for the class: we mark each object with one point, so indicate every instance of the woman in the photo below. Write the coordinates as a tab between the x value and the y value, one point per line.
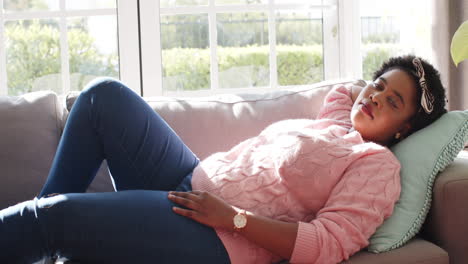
310	191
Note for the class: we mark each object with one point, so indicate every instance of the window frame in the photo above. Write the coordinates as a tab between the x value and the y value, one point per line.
126	13
3	74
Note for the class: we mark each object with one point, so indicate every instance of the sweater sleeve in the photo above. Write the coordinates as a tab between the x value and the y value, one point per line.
337	104
357	205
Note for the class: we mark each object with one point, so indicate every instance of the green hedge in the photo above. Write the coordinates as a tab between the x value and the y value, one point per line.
189	69
299	64
374	55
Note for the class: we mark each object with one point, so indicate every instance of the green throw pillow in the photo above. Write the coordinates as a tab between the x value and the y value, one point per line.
422	156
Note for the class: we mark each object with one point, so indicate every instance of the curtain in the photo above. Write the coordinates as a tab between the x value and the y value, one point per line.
448	15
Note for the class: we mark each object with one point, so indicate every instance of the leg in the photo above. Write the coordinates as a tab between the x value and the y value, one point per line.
109	121
121	227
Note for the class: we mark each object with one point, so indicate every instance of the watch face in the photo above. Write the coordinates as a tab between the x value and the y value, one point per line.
240	220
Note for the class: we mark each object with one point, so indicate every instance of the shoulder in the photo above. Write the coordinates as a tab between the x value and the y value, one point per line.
376	157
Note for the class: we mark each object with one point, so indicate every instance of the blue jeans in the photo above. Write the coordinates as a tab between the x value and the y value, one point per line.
133	225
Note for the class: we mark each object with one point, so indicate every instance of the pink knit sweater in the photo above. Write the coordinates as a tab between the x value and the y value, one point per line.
338	187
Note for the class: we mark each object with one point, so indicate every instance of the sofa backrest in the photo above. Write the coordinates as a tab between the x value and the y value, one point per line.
217	123
30	129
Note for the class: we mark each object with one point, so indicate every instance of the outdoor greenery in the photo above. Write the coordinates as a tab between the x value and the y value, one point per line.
24	4
374	55
238	30
33	51
191	67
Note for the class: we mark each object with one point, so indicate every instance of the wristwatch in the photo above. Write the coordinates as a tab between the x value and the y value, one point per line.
240	220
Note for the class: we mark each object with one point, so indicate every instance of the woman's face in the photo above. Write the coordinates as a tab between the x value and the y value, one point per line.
384	107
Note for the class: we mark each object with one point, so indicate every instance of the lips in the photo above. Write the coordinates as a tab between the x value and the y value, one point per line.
366	109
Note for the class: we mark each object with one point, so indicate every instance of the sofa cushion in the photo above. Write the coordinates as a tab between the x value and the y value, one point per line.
422	156
29	135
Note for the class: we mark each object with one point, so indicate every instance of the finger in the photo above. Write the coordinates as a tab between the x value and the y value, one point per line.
187	213
186	202
196	192
187	195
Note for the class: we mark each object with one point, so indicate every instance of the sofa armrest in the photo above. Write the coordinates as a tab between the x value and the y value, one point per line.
446	224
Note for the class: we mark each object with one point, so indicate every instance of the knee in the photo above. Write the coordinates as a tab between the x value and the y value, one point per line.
103	86
104	93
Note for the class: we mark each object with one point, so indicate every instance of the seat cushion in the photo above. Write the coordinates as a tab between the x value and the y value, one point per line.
417	251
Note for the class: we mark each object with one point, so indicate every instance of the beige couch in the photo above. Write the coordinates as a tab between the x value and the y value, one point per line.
32	125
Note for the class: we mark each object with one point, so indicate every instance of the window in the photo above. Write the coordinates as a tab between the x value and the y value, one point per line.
217	46
388	30
57	45
202	47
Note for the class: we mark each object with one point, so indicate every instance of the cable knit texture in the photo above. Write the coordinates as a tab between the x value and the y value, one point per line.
338	187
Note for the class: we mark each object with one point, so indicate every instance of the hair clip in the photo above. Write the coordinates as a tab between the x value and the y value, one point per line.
427	99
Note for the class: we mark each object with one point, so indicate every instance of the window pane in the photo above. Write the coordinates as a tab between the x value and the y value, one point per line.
33	56
389	30
36	5
92	43
90	4
299	47
241	2
174	3
185	52
243	50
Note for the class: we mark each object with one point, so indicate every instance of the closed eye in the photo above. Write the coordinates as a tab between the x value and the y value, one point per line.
378	86
392	102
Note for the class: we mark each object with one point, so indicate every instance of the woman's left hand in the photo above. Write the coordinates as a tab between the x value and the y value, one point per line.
204	207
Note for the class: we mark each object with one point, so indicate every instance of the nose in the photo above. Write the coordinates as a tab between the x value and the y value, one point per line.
375	98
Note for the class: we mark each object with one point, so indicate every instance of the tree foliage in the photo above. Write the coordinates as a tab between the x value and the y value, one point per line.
33	51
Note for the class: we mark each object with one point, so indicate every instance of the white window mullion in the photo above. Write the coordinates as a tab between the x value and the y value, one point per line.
185	10
3	70
331	44
64	53
128	43
350	39
151	49
213	35
272	44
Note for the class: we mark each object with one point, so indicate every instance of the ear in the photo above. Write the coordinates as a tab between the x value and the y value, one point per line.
405	129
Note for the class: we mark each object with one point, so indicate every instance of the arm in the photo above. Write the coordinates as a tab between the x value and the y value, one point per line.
357	205
339	101
276	236
337	104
